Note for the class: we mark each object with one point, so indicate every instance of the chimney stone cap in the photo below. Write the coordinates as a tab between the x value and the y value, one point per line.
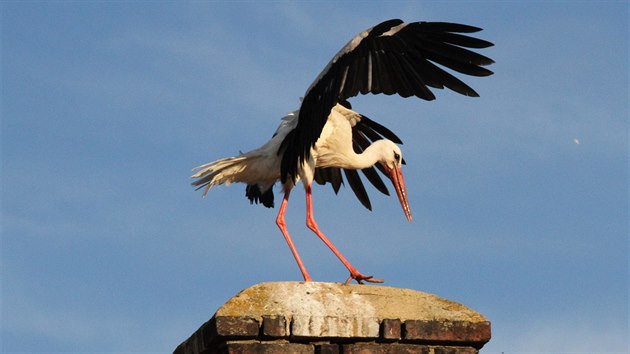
345	301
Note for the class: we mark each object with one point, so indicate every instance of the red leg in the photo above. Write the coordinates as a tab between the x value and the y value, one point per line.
282	225
310	222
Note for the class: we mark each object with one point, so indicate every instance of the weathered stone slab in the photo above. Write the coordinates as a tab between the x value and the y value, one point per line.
344	301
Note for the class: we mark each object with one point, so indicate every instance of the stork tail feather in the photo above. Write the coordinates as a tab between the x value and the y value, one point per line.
218	172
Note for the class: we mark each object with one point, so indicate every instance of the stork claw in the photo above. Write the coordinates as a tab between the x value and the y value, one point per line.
360	278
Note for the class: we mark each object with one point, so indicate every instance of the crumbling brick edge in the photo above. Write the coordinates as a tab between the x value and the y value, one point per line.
275	334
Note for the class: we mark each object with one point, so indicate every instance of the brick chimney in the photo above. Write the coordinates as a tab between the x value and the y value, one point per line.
299	317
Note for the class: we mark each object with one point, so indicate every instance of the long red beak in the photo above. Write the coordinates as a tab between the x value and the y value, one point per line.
395	174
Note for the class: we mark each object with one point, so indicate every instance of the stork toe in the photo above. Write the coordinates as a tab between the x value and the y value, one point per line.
360	278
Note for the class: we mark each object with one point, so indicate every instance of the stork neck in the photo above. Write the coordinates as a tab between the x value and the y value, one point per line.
370	156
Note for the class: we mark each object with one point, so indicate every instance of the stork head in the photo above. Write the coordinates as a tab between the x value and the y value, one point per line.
392	161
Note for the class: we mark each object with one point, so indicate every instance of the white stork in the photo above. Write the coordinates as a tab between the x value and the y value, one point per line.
324	136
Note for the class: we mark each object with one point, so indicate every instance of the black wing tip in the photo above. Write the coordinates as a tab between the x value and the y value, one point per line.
330	175
378	128
486	72
352	176
442	26
385	26
253	193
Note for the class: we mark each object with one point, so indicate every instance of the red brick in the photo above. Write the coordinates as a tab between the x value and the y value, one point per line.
451	331
267	348
327	348
275	326
455	350
384	348
391	329
236	326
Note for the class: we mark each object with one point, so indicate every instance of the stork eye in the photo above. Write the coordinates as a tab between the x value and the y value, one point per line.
396	156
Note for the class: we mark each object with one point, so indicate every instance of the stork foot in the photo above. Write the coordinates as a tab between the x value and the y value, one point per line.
360	278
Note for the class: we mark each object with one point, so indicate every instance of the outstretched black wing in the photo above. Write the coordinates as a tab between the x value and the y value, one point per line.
364	133
391	58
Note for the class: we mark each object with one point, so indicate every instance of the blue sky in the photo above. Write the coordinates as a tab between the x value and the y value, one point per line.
520	197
